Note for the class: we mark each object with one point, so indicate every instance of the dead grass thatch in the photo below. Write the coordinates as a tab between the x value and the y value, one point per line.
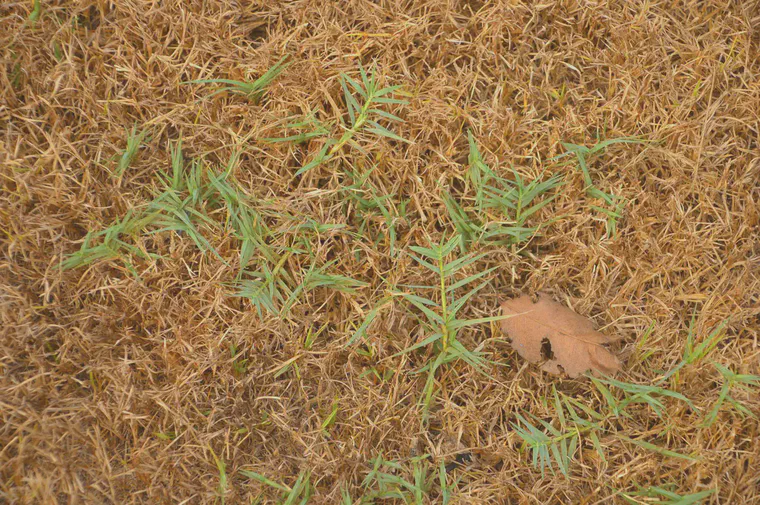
161	388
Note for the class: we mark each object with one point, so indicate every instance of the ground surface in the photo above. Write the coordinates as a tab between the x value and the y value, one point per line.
123	389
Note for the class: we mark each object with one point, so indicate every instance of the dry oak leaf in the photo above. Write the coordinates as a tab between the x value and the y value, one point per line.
575	345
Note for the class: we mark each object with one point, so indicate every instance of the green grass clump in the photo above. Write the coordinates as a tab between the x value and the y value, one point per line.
248	224
550	444
179	207
731	380
555	444
275	290
182	203
239	366
371	205
34	16
441	312
265	288
502	207
664	496
135	139
363	101
111	244
615	203
299	493
221	467
694	354
252	90
387	481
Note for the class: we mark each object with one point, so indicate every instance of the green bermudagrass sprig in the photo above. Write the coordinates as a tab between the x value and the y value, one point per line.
556	445
442	314
514	198
266	288
253	90
386	481
731	380
299	493
615	203
179	205
308	126
665	496
692	353
636	393
410	481
111	244
221	467
240	366
315	278
275	290
372	314
549	444
583	154
247	222
502	207
368	202
363	101
134	140
34	16
469	228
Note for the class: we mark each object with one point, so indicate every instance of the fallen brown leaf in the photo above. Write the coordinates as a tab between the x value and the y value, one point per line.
569	341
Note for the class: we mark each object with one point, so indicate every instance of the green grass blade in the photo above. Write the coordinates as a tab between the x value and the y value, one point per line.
658	449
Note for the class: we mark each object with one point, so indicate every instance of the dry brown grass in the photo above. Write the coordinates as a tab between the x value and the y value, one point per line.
95	364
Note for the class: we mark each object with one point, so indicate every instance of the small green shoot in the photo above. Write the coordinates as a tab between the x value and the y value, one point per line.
361	331
290	495
309	127
167	436
446	488
239	366
385	481
266	289
222	468
583	154
36	11
345	497
330	419
312	335
693	355
57	51
134	141
643	351
615	202
730	380
666	497
276	292
385	376
176	208
551	444
636	393
656	448
248	224
251	90
368	202
111	245
318	278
